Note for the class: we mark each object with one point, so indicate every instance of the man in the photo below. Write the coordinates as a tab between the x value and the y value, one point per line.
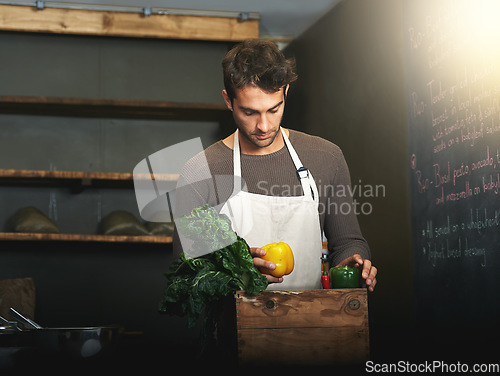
291	181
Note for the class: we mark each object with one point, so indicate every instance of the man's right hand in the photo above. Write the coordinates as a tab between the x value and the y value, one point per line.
257	253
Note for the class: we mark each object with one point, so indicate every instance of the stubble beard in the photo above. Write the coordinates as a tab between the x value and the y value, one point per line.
255	141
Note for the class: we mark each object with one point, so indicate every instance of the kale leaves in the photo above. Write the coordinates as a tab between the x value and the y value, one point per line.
194	283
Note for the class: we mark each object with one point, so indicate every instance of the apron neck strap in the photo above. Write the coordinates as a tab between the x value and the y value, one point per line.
306	180
236	156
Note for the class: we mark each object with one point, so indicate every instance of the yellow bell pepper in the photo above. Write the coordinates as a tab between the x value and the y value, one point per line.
282	256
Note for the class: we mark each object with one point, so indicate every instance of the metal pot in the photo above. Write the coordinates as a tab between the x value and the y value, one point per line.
81	343
74	343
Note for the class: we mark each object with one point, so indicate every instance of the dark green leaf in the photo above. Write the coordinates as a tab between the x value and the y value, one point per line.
194	283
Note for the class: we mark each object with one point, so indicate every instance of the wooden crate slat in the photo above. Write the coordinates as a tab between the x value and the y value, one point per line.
301	346
283	309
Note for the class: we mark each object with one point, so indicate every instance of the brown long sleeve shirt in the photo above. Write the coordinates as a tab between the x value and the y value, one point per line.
208	179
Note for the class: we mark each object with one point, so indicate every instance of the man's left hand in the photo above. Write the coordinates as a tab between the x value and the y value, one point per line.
368	271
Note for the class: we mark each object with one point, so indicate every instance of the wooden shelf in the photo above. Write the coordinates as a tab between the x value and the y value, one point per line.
75	175
76	179
4	236
112	108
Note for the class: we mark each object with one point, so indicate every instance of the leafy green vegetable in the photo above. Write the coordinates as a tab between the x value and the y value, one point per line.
209	230
193	284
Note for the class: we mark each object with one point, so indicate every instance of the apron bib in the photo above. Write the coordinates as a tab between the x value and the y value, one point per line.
262	219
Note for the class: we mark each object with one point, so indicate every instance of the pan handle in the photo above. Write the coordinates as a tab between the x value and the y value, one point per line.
24	320
3	321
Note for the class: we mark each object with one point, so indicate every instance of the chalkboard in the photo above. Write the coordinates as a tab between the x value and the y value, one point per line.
452	58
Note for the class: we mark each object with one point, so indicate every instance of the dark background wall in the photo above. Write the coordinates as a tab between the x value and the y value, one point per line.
97	283
351	91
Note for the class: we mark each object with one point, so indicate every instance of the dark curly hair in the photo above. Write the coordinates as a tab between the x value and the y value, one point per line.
258	62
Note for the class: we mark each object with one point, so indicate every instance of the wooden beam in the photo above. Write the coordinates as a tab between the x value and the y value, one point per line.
107	23
113	108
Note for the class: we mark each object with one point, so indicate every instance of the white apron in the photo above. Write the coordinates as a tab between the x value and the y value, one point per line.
262	219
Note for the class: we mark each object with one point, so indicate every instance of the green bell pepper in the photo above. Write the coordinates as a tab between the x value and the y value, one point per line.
343	277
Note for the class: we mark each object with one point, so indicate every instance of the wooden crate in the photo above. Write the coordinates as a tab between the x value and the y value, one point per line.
316	327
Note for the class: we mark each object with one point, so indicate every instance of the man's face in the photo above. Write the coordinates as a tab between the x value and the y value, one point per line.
257	114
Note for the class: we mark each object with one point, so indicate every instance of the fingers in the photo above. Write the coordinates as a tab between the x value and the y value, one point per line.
272	279
367	264
358	259
257	253
371	277
369	274
372	286
354	261
368	271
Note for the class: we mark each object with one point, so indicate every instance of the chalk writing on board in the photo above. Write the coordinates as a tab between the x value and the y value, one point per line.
454	123
450	239
461	179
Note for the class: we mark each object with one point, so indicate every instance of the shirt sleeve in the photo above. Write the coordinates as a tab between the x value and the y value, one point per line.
341	225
